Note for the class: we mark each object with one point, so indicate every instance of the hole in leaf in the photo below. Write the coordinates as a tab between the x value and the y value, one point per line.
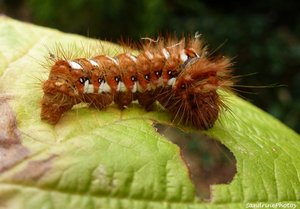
209	162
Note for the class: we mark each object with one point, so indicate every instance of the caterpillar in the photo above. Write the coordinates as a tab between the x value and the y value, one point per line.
178	73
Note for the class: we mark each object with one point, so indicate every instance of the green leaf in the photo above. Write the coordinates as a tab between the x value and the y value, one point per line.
116	159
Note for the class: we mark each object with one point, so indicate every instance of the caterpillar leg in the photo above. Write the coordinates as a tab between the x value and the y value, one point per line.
146	99
203	109
197	109
123	99
98	101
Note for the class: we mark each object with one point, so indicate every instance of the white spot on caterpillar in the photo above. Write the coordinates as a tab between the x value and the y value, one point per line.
121	87
88	88
113	59
59	83
166	53
104	87
134	88
171	82
132	57
183	56
75	66
149	55
94	63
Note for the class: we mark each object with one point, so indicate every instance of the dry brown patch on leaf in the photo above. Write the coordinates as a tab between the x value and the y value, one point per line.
11	150
35	169
9	133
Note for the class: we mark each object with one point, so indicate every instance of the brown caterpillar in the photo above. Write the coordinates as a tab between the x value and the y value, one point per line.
178	74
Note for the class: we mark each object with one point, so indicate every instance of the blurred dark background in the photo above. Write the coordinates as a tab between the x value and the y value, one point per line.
262	36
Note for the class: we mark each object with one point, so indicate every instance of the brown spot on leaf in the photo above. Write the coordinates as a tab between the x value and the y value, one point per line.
11	149
11	155
209	162
35	169
9	133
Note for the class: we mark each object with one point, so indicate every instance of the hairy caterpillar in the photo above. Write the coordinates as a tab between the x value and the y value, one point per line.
179	74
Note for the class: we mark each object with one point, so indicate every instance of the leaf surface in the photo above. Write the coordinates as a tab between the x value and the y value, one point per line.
114	158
